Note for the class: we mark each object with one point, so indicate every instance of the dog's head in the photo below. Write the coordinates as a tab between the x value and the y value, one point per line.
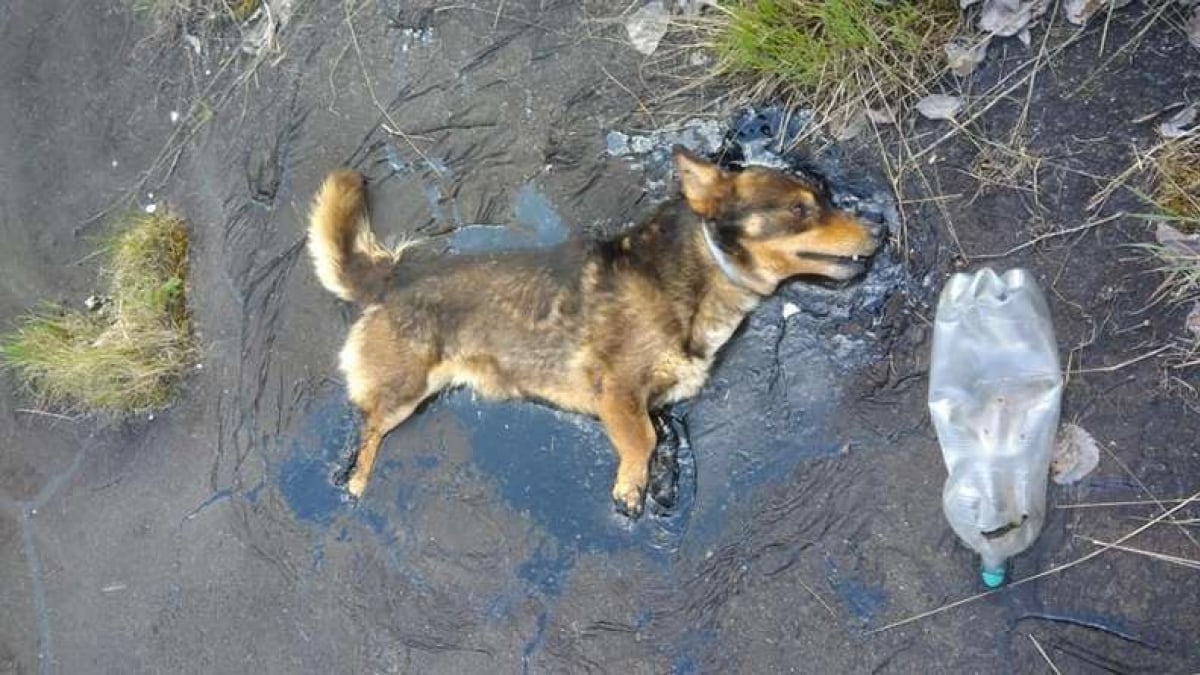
773	224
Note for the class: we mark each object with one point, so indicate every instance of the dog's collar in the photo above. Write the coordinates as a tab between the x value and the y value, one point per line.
733	273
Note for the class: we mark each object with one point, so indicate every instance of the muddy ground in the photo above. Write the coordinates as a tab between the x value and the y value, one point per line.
209	537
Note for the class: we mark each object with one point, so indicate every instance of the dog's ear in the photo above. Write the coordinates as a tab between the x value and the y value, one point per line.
704	184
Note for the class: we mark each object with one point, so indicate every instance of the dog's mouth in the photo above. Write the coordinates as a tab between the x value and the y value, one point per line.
839	267
829	258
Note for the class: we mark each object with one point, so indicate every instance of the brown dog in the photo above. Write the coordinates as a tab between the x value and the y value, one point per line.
612	329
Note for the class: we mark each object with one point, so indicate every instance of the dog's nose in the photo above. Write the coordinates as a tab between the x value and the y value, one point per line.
875	227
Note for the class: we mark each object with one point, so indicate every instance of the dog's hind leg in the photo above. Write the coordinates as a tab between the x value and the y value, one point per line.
386	378
627	420
377	423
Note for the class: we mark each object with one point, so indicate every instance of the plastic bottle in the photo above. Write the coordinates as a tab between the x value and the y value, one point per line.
995	387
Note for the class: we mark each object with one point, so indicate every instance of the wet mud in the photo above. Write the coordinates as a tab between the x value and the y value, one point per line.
795	503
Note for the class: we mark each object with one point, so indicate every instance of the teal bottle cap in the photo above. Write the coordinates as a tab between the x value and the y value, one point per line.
992	578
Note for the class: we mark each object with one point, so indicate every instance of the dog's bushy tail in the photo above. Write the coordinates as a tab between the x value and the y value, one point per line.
350	263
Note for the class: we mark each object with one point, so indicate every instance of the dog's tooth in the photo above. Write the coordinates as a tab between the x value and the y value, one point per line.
854	257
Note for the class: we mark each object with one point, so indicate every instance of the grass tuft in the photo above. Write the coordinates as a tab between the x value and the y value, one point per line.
1177	182
182	10
844	54
1175	196
130	353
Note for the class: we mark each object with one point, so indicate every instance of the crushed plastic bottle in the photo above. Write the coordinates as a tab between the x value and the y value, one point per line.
995	387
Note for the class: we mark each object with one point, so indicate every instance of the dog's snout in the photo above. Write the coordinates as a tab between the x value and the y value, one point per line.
875	228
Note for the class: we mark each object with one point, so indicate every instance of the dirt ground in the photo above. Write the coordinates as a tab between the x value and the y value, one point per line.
210	538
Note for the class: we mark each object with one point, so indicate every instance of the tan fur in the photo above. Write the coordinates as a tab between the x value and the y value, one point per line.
613	330
339	235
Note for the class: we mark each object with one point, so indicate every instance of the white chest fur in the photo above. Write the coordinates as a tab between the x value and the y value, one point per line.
689	373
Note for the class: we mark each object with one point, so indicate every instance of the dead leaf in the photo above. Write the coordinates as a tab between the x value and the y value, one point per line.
1179	124
1079	11
1005	17
1186	245
1075	455
880	116
963	57
647	26
939	106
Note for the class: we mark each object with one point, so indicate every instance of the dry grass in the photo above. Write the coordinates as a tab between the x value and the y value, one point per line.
171	11
129	354
1175	198
1177	182
845	55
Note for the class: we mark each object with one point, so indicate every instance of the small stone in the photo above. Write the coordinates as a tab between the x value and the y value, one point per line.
789	310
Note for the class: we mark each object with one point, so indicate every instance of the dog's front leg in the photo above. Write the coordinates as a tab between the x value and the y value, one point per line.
627	420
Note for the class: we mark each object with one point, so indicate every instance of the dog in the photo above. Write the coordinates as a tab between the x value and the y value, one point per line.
613	328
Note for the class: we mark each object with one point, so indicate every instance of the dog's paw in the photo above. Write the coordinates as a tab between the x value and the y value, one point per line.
629	504
356	485
628	496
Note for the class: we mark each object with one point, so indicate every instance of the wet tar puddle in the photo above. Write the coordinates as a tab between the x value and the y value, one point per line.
554	468
765	411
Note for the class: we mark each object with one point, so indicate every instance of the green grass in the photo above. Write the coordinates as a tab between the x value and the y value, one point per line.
840	53
129	355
